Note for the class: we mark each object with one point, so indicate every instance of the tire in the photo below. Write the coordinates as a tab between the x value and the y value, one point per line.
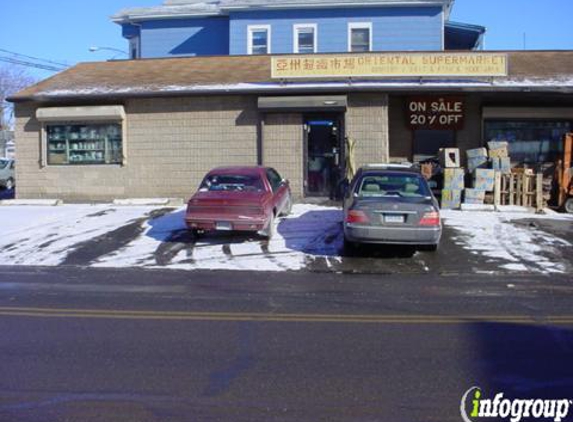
10	184
568	205
430	248
197	234
287	208
350	248
269	232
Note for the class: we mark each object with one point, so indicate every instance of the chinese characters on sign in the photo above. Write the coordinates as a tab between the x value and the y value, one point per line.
385	64
440	113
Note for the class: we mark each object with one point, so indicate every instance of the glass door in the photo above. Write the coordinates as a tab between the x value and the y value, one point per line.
323	137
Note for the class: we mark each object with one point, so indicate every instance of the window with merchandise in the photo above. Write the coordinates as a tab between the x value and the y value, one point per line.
69	144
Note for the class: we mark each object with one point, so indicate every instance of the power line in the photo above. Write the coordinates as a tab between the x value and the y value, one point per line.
38	59
31	64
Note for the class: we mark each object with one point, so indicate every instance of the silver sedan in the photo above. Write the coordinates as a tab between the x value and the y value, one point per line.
391	205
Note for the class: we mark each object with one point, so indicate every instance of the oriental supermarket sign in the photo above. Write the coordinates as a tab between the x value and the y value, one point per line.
390	65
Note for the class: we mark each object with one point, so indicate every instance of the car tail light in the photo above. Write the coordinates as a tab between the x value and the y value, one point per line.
430	219
356	216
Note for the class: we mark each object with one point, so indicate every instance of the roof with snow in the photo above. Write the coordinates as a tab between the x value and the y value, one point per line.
191	8
544	71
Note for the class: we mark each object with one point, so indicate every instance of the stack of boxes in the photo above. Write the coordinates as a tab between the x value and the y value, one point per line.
454	177
482	165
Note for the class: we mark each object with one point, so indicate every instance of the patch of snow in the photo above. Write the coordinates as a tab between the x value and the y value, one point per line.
31	202
298	238
141	201
44	235
492	235
554	83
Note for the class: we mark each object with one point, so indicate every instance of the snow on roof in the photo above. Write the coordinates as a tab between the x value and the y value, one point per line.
547	71
184	8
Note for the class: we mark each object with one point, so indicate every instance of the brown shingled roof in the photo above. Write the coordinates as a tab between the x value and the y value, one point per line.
175	76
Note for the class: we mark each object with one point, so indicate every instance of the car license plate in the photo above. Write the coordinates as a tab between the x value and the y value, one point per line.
393	218
223	225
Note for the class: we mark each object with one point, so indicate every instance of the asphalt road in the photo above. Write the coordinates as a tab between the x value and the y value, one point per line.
130	345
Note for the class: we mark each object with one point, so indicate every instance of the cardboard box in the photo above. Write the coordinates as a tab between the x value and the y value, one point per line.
474	196
449	157
476	152
484	179
477	162
498	149
498	153
497	145
454	178
501	164
451	199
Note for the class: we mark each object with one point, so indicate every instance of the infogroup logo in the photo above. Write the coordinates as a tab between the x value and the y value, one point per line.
474	407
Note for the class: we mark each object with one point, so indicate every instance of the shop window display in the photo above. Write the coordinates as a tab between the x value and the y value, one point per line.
84	144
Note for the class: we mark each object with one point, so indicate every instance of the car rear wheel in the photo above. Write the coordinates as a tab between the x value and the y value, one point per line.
287	208
197	234
430	248
269	232
568	206
10	184
350	247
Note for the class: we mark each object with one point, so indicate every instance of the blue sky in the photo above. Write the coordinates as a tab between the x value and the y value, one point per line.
63	30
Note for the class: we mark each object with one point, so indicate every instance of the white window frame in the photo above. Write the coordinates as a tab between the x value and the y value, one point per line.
297	27
359	25
253	28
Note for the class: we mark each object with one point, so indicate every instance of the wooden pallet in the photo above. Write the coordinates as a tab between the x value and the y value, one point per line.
522	187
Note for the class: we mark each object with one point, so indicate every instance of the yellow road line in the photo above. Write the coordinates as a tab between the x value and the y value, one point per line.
271	317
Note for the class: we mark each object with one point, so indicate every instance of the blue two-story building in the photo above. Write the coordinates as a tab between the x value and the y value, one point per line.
237	27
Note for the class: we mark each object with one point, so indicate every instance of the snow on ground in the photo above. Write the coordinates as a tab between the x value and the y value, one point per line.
513	247
298	237
44	235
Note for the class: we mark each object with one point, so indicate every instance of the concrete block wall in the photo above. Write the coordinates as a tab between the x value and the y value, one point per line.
367	123
170	144
283	147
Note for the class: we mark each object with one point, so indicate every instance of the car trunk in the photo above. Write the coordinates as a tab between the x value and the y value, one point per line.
394	211
227	203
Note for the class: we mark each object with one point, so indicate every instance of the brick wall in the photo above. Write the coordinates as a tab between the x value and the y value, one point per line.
367	123
171	143
283	147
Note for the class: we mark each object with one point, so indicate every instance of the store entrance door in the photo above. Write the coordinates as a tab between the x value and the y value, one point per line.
324	160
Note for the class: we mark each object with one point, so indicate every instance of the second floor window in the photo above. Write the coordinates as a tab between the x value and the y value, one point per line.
359	37
259	41
305	38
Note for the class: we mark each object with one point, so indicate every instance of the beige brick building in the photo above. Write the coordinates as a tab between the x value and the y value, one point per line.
153	128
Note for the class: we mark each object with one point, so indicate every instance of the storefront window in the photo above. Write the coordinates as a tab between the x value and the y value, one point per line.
530	141
84	144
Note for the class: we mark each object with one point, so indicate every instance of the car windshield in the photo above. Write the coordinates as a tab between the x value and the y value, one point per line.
232	182
3	164
392	184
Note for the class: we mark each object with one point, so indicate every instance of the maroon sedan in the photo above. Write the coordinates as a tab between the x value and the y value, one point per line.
239	198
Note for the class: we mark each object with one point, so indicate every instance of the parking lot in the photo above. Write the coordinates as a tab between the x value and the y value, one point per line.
310	239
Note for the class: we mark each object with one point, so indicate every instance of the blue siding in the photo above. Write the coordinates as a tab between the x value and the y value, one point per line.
185	37
394	29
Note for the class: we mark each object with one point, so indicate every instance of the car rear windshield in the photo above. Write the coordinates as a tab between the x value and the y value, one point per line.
392	184
232	182
3	164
